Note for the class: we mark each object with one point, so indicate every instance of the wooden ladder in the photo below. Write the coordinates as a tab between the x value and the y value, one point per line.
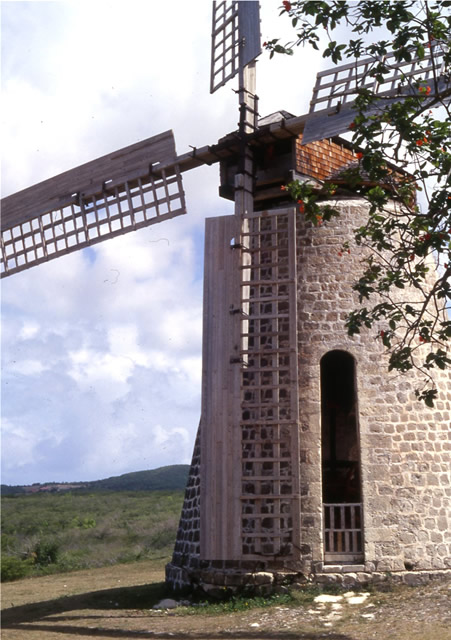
270	514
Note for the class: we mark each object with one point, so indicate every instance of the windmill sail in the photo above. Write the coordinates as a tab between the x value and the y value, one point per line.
235	39
123	191
332	108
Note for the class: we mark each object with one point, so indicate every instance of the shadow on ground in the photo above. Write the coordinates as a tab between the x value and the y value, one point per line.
48	617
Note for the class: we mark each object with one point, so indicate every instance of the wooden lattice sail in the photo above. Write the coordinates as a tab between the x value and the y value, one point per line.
332	107
123	191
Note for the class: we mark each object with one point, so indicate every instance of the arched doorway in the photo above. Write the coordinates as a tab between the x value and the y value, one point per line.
340	459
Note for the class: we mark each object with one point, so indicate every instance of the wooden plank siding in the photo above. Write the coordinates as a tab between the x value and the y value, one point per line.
220	460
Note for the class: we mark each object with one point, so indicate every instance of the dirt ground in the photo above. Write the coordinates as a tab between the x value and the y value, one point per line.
117	603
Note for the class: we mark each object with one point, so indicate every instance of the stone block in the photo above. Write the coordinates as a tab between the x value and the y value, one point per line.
349	580
262	578
415	579
235	579
329	578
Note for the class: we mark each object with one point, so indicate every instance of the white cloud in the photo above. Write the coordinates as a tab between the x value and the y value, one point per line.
123	342
29	330
28	367
106	373
18	443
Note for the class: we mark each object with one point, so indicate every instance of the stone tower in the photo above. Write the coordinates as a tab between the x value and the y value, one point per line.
311	460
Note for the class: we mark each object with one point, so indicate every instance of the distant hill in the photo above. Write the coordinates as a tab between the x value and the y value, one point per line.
161	479
168	478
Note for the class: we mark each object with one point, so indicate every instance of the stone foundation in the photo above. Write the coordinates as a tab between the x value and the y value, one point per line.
221	583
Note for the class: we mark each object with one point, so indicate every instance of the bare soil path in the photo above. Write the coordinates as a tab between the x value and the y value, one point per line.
117	602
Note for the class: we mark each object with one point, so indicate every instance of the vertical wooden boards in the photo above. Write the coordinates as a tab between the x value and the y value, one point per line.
249	28
220	444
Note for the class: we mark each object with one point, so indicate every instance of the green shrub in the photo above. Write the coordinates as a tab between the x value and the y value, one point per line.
14	568
83	523
7	542
45	552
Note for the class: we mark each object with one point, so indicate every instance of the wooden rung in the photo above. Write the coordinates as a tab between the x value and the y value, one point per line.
264	265
260	249
253	300
250	283
268	496
259	460
266	316
265	352
255	388
268	369
270	535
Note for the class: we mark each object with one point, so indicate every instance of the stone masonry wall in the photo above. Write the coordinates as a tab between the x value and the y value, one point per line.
185	558
405	446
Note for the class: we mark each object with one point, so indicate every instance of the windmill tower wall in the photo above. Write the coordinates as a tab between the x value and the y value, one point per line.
309	484
405	447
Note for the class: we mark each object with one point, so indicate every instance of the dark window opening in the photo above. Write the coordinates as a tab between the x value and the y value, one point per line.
339	430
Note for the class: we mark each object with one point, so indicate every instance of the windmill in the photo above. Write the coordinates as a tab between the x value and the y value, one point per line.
252	501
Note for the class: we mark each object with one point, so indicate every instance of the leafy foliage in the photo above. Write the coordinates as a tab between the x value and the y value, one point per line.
45	552
408	230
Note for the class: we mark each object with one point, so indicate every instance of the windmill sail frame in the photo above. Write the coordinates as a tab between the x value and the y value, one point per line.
332	108
110	196
235	39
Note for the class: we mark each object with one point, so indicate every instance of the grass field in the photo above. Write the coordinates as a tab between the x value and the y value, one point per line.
52	533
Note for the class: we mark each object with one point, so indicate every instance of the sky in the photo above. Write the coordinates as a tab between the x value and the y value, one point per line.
101	349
